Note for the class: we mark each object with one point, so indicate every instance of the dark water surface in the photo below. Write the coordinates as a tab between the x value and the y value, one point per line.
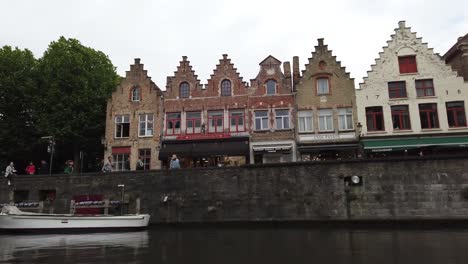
241	245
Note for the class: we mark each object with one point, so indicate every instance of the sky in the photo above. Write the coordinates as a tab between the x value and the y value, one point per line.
160	32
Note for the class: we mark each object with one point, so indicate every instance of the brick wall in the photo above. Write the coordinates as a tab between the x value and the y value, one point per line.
392	189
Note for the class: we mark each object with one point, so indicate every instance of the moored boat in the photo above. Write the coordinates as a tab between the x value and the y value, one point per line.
11	218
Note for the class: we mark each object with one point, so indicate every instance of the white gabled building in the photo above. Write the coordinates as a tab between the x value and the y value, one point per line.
412	102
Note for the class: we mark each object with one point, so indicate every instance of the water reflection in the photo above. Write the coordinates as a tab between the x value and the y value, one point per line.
242	245
83	248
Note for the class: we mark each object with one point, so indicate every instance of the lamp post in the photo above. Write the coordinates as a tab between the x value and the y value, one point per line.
51	150
122	199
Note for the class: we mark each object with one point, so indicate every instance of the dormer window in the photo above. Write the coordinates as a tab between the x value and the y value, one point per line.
226	88
407	64
271	87
184	90
136	96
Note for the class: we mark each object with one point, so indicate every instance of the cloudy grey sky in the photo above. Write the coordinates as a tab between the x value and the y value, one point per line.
160	32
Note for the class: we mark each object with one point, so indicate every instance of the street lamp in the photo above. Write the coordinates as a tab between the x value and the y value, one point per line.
51	150
123	195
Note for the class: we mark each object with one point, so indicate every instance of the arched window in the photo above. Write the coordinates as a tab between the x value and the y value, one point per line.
136	94
226	88
184	90
271	87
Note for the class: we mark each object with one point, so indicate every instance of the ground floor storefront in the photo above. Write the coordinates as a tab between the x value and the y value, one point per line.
427	145
206	152
329	151
272	152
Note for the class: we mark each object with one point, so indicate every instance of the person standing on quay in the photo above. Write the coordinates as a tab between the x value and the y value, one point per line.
140	165
9	172
107	165
174	162
30	169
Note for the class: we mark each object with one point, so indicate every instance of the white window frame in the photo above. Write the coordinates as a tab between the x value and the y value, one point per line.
345	114
136	95
213	122
307	117
262	118
320	90
327	116
119	120
282	121
118	161
146	127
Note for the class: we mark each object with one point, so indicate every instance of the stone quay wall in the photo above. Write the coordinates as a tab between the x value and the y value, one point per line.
404	189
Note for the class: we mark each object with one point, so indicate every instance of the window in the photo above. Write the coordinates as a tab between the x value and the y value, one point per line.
345	118
424	88
261	120
146	125
215	121
428	116
407	64
374	118
226	88
136	94
400	117
184	90
193	123
236	121
145	155
173	123
122	126
325	119
322	86
397	89
118	161
271	87
456	114
305	121
282	119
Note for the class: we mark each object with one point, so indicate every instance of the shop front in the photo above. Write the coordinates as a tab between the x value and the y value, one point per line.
316	147
273	152
206	152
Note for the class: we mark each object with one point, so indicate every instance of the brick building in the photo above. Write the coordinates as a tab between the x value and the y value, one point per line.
412	102
133	122
206	126
271	111
457	57
326	109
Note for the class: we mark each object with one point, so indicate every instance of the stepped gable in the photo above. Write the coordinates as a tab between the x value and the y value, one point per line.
401	42
323	55
184	73
270	68
225	70
135	76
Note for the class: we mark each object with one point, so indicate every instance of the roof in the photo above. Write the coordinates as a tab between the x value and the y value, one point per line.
454	48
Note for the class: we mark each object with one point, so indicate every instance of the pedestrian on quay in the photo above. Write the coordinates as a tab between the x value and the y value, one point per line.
107	167
9	172
140	165
127	163
44	168
30	169
68	167
174	164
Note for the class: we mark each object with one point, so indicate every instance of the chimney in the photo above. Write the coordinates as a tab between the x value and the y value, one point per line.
287	69
402	24
137	61
320	41
296	73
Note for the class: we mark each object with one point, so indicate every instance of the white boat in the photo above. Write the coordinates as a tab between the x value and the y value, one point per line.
11	218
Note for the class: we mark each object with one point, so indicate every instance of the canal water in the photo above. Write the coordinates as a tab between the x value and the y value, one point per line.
241	245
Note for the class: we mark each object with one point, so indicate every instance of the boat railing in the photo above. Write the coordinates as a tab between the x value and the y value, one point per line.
104	204
28	206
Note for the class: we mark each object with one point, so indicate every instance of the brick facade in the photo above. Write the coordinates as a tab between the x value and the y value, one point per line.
326	105
271	93
457	57
136	99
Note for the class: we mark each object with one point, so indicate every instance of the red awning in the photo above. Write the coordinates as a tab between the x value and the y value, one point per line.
120	150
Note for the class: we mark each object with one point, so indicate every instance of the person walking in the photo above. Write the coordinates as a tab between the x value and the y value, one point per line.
9	172
107	165
174	162
30	169
44	168
140	165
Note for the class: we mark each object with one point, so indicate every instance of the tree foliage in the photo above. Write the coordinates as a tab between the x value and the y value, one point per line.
18	70
74	84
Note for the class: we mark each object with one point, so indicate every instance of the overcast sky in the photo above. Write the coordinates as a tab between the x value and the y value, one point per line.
160	32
